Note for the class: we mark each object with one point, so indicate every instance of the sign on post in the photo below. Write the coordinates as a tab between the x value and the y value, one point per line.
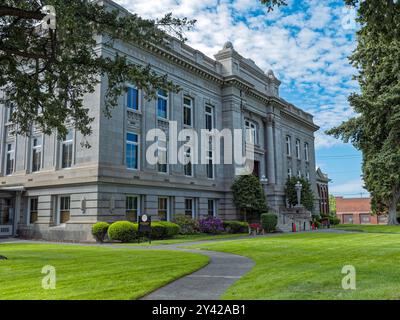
145	226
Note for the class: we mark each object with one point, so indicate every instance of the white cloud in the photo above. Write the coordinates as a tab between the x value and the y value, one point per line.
350	188
307	49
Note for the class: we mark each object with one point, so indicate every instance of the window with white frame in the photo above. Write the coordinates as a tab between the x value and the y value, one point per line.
298	154
163	208
132	150
188	167
289	173
67	146
308	175
306	152
33	210
189	207
10	158
299	174
187	112
288	145
162	104
132	207
162	153
132	98
251	132
209	114
211	208
64	209
36	154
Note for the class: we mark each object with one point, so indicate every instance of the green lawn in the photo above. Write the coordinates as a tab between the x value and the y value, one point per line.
308	266
188	238
369	228
90	272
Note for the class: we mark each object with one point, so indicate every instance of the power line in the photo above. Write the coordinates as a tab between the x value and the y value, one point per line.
349	156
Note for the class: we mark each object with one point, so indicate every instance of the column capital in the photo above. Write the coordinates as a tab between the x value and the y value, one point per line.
270	119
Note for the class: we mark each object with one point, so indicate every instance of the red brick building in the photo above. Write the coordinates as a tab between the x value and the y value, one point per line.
357	211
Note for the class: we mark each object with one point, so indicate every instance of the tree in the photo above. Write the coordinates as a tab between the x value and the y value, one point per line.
376	129
307	196
248	194
46	72
332	205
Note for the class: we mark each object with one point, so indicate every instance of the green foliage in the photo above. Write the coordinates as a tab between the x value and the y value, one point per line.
187	224
164	230
332	205
124	231
334	220
248	193
64	64
99	230
269	221
236	226
376	128
307	195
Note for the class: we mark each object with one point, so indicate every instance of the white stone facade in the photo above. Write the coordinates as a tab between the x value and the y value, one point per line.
96	185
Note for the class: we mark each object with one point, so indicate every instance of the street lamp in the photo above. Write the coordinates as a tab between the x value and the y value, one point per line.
264	180
298	186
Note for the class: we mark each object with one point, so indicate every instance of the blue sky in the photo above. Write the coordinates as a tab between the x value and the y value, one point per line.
306	44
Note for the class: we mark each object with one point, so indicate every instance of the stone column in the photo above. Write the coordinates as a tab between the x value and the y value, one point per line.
270	154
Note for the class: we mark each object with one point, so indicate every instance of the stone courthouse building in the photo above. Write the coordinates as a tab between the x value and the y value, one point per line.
56	190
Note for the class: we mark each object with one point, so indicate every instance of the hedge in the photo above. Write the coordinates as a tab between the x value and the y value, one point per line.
99	230
269	221
236	226
124	231
164	229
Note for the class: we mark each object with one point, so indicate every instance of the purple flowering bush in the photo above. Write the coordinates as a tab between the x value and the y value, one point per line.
211	225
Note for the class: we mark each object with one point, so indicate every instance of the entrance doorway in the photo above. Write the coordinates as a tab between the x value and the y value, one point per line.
7	209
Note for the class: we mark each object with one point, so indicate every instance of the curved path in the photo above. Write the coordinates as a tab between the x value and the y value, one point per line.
208	283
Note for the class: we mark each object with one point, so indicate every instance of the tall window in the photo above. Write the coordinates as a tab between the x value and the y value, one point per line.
188	168
33	210
132	98
306	152
209	158
10	158
289	173
163	208
132	208
308	175
299	174
162	165
288	145
211	210
251	132
36	154
187	112
10	111
189	208
64	208
298	149
132	151
209	110
162	104
66	150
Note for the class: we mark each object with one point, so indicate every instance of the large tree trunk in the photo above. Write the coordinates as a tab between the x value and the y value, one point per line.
393	211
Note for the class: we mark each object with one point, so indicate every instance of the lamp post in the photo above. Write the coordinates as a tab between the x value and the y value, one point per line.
264	179
298	186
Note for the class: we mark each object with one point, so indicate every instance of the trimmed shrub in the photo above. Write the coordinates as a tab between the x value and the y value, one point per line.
187	224
99	230
269	221
123	231
211	225
236	226
164	230
334	220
